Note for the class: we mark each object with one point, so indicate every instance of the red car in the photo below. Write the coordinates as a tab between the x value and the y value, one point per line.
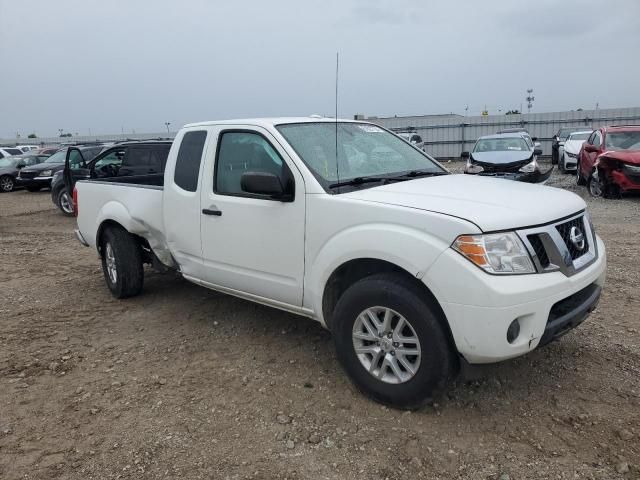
609	161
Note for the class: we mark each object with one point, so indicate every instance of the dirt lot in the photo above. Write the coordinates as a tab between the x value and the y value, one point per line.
183	382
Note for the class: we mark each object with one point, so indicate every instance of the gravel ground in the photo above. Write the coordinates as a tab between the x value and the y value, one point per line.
182	382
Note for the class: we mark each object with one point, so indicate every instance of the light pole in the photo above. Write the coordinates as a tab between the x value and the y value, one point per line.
166	124
530	98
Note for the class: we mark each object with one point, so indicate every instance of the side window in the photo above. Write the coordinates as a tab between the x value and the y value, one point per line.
137	157
76	160
159	155
597	139
188	160
240	152
110	163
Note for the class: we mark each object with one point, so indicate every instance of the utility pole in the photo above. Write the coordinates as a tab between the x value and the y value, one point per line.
530	98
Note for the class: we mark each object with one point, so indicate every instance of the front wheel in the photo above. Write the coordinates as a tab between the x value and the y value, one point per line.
562	164
65	203
596	185
390	340
121	263
6	184
580	180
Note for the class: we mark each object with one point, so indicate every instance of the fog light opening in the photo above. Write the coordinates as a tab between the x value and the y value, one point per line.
513	331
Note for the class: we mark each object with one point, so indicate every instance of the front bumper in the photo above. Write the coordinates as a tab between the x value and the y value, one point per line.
533	177
627	181
480	307
42	182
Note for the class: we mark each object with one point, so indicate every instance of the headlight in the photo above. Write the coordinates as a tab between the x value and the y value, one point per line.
45	173
572	155
472	168
530	167
501	253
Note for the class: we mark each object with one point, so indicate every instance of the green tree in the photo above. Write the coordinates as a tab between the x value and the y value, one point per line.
32	135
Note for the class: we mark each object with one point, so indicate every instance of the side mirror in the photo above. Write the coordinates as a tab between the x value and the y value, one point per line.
263	183
534	139
537	151
465	155
20	165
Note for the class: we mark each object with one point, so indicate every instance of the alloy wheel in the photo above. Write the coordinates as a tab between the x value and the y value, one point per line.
6	184
386	345
65	203
110	260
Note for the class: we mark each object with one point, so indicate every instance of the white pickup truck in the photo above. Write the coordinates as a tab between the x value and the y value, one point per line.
413	270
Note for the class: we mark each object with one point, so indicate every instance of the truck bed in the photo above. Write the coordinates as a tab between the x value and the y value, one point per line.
135	202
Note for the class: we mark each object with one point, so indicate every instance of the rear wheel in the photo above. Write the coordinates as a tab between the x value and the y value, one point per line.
6	183
64	202
121	263
390	340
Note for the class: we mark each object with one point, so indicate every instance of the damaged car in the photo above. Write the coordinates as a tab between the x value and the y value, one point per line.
506	155
609	161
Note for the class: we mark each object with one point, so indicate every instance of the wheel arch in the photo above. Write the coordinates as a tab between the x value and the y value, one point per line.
354	270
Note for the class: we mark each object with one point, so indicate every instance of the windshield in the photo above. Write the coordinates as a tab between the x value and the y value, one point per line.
363	150
8	162
623	141
579	136
57	157
501	145
13	151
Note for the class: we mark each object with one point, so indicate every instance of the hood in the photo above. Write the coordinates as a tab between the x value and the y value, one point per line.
626	156
500	158
43	166
492	204
8	171
573	146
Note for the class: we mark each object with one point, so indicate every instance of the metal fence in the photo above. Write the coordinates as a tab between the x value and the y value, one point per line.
75	139
448	136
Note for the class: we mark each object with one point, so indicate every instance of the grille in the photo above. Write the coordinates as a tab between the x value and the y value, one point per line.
564	230
27	175
501	167
539	249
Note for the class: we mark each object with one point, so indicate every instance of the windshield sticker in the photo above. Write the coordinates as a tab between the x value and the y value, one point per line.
370	128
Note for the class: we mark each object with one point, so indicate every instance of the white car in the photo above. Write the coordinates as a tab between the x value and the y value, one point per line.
27	148
414	270
570	149
9	151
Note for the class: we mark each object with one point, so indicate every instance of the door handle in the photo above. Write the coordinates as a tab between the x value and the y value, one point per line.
216	213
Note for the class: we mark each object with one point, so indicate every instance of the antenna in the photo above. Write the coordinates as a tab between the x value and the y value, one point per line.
337	70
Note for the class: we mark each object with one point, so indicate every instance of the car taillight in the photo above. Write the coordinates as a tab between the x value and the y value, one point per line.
75	202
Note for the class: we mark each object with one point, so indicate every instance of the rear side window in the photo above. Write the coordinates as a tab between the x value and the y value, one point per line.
188	161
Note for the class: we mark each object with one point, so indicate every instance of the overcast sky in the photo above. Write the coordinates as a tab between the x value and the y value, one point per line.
108	65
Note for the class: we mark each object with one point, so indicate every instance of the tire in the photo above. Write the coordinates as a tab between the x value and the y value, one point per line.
121	263
595	186
436	362
580	180
7	184
64	202
34	189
